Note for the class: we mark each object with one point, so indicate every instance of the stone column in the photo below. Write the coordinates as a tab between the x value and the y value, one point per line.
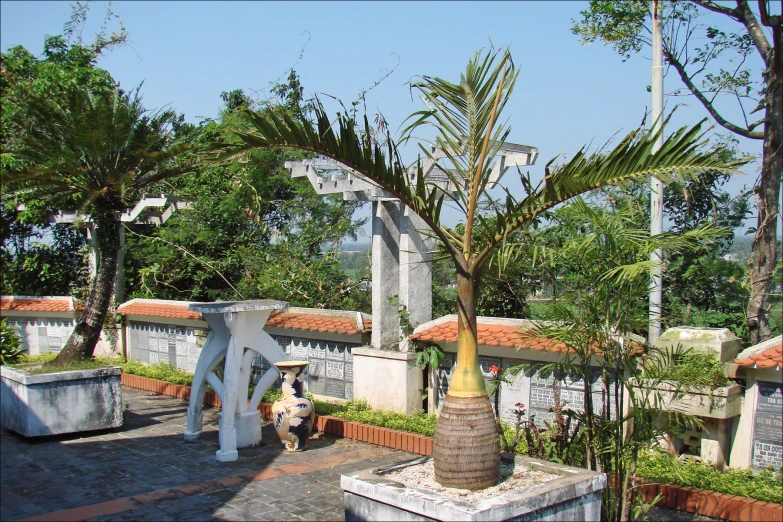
385	272
415	271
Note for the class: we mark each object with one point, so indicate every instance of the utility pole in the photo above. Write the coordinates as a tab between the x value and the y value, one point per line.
656	187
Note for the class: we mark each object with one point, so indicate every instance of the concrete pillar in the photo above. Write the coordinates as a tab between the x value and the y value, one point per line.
715	440
119	279
385	272
387	380
415	288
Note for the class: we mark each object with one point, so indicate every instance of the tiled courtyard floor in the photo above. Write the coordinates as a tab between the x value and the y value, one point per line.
146	471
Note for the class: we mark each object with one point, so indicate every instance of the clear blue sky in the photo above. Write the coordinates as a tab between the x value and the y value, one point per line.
187	53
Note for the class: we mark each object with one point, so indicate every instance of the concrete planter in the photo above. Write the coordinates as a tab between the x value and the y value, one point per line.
575	496
717	403
65	402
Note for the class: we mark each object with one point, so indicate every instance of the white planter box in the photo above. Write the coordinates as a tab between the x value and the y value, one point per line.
575	496
65	402
718	403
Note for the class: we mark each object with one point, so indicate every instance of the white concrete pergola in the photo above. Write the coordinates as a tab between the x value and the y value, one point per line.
150	210
399	237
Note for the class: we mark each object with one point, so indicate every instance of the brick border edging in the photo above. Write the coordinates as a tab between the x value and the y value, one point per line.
709	503
693	500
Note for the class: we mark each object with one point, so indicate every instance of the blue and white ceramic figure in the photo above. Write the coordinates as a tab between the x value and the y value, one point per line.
293	413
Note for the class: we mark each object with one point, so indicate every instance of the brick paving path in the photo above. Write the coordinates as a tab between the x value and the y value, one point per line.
146	471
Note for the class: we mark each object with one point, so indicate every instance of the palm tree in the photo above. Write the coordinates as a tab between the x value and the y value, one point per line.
96	152
465	116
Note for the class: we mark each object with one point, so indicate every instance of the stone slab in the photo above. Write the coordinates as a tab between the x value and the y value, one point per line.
239	306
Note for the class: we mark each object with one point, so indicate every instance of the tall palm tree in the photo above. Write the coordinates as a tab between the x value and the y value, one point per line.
465	116
96	152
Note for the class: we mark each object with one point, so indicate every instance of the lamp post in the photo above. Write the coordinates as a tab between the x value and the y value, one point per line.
656	187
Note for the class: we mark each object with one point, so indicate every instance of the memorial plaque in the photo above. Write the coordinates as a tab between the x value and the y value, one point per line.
335	352
152	344
348	354
299	351
316	385
284	343
193	351
766	454
335	388
486	362
770	397
348	372
317	368
153	357
318	350
163	357
769	427
517	391
447	362
349	390
55	343
334	370
182	349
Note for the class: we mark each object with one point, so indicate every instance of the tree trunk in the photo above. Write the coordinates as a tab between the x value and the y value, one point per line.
466	446
764	256
81	343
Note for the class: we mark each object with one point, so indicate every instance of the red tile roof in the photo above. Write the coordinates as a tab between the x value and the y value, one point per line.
317	323
768	354
152	309
504	336
295	320
30	304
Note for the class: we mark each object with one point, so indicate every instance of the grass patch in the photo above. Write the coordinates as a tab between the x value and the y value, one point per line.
698	369
90	364
660	467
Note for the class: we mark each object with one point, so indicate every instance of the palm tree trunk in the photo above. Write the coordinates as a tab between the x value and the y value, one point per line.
81	343
466	446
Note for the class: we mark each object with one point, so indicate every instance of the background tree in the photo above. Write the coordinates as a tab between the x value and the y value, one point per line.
466	119
252	230
96	152
693	50
39	258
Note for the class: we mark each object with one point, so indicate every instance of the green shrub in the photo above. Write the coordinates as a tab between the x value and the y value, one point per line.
160	371
698	369
11	351
92	364
661	467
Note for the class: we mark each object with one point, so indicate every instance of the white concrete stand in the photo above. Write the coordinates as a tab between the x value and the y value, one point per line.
236	333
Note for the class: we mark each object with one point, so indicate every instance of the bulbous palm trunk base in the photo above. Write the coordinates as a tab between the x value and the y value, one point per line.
466	447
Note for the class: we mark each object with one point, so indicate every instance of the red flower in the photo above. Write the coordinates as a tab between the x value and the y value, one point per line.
519	405
495	369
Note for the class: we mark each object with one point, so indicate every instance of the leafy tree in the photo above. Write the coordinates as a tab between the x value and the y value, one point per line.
252	230
607	255
39	258
466	119
693	50
95	151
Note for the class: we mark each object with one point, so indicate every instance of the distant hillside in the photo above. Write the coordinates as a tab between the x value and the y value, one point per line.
354	247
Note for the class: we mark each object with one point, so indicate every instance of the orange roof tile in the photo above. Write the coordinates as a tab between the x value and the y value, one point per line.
294	320
25	304
764	357
504	336
489	335
317	322
169	310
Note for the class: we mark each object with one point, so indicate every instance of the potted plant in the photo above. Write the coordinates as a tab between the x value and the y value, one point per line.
466	117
